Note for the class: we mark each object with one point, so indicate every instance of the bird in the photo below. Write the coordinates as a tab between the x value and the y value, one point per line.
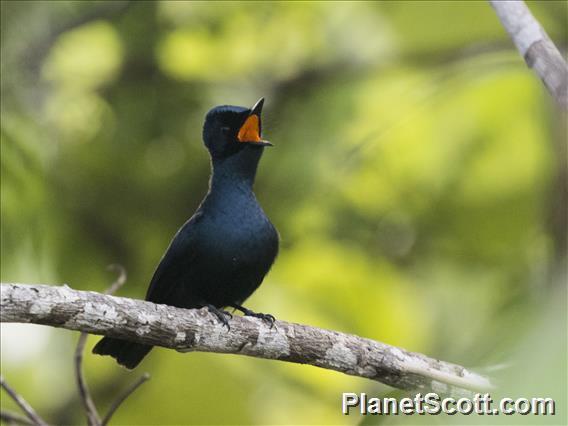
221	255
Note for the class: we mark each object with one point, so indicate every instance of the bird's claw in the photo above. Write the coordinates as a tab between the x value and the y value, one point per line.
221	315
248	313
265	317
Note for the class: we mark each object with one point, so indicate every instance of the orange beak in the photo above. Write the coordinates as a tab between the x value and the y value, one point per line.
251	128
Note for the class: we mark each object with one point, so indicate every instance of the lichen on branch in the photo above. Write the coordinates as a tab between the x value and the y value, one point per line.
187	330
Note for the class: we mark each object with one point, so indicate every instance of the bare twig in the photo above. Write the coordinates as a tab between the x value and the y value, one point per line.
199	330
535	47
120	280
93	418
14	418
129	391
23	404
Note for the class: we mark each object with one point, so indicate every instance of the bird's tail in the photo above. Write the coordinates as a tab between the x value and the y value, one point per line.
128	354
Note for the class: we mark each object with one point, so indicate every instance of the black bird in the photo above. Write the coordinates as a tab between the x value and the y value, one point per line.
219	257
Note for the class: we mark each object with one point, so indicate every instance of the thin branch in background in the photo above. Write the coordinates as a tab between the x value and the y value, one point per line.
120	280
142	379
14	418
23	404
93	417
130	390
534	45
540	53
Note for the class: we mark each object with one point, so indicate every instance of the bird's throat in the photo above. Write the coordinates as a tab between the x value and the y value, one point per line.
238	169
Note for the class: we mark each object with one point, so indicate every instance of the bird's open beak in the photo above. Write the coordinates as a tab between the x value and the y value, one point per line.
251	129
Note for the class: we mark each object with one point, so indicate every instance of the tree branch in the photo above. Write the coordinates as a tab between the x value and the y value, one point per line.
23	404
198	330
93	418
129	391
14	418
535	47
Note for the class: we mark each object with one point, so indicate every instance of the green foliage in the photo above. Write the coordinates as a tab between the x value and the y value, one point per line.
414	160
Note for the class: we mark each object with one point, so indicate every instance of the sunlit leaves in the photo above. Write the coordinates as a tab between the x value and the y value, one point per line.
86	57
268	41
81	61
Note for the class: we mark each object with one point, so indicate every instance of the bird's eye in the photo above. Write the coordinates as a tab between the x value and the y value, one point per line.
225	130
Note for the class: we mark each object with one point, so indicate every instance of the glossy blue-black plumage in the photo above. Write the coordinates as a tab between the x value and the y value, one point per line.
221	254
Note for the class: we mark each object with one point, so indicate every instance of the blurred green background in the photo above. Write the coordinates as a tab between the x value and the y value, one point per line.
418	181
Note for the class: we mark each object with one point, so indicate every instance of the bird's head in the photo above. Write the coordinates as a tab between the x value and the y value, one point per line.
229	129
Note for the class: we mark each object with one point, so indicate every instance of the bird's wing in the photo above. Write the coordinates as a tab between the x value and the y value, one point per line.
175	264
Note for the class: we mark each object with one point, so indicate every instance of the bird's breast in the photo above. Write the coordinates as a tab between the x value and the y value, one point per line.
241	236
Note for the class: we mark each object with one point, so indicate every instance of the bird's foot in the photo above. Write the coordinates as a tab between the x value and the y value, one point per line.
222	315
248	313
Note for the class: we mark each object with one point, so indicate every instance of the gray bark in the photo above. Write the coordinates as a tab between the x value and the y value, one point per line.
187	330
535	47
